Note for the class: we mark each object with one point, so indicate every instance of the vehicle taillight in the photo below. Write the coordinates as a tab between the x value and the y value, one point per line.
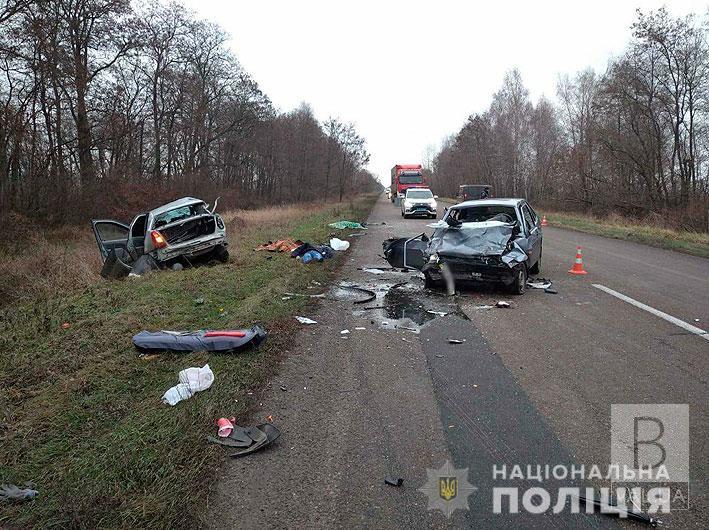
158	239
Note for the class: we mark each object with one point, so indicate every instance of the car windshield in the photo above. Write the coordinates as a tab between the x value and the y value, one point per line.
478	214
415	178
419	194
177	214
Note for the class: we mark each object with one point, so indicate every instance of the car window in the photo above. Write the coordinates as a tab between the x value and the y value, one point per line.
528	219
111	231
419	194
177	214
535	217
478	214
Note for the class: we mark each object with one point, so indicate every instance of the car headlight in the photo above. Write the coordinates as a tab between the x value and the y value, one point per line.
434	205
433	258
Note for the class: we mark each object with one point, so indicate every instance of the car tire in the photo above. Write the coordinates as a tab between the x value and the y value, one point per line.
221	254
519	285
536	269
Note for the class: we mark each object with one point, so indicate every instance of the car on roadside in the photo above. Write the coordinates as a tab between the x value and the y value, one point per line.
419	201
172	235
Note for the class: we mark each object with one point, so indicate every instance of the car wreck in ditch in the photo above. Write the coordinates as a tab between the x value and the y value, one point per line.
173	235
484	241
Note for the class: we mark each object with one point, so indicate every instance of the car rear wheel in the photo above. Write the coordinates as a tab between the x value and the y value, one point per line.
519	284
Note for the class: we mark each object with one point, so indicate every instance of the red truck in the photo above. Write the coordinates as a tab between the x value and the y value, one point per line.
404	176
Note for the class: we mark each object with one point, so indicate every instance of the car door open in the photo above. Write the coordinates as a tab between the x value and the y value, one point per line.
110	235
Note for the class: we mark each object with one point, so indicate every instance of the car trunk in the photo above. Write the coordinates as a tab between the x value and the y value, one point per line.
189	229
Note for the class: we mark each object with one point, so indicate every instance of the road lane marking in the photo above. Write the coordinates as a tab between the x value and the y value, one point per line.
676	321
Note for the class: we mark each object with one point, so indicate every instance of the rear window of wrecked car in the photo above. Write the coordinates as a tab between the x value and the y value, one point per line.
478	214
177	214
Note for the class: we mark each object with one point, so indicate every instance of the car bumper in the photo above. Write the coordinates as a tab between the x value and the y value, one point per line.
419	210
475	270
191	249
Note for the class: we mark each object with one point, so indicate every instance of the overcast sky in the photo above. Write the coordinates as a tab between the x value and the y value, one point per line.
409	72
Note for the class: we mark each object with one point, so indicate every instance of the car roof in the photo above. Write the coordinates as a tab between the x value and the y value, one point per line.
184	201
488	202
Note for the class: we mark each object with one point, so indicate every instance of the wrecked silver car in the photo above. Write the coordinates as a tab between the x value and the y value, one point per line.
173	235
489	240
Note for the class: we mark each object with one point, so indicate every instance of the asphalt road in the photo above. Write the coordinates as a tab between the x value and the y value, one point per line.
532	384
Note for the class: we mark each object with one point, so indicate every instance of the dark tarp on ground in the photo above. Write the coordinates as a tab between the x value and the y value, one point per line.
186	341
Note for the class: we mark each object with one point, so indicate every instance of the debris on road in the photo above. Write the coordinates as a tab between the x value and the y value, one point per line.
308	252
341	293
503	305
391	481
305	320
345	332
549	290
360	328
484	306
341	225
321	295
225	341
456	341
339	244
225	426
539	283
12	493
438	313
192	380
282	245
248	439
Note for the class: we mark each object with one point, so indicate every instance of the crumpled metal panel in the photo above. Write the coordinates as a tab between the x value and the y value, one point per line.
488	238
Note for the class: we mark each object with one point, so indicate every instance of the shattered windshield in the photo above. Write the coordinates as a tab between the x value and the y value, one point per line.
419	194
478	214
177	214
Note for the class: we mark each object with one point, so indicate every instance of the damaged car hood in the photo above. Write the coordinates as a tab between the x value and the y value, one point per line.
489	238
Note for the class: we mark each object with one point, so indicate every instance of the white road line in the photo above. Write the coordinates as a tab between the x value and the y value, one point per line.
676	321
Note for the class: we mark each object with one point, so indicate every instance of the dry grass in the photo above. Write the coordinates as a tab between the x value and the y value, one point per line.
649	231
80	410
41	263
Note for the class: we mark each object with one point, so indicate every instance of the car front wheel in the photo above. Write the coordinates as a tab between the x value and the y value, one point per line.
519	284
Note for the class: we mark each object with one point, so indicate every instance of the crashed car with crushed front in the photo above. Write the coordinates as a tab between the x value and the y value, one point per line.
173	235
482	241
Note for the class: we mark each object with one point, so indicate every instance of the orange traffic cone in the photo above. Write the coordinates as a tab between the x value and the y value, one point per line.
544	220
578	263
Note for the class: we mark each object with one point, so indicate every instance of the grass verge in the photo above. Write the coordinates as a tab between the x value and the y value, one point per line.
81	411
694	243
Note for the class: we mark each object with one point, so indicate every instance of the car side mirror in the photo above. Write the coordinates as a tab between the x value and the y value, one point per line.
435	196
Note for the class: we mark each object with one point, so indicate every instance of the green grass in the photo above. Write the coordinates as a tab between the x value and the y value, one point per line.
81	411
694	243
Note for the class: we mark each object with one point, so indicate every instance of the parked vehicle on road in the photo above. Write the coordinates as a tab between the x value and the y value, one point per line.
484	241
405	176
473	192
175	233
419	201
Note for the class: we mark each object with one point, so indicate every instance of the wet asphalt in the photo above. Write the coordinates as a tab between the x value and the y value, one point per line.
531	384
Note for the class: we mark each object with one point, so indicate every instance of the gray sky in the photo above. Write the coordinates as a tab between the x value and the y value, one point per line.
409	72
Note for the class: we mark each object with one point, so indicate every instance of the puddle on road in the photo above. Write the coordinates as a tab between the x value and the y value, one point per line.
405	306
